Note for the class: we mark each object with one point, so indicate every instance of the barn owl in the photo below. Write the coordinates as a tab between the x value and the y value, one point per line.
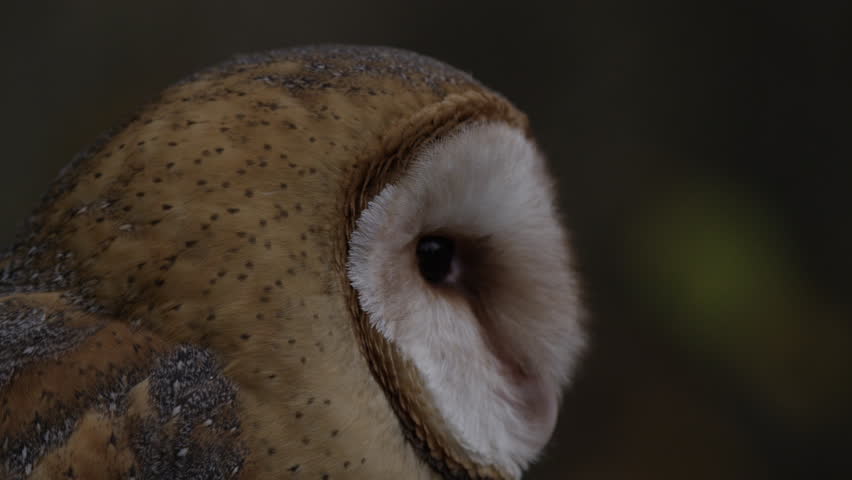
325	262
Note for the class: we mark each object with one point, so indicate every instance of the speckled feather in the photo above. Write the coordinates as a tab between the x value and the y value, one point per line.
177	306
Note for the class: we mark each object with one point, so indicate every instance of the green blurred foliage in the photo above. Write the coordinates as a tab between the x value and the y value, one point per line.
715	264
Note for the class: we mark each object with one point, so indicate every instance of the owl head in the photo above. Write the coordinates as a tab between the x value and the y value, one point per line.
367	242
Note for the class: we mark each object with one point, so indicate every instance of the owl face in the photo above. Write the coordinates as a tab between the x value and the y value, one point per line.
462	265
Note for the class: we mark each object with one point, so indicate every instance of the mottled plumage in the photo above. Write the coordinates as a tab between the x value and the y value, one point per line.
178	305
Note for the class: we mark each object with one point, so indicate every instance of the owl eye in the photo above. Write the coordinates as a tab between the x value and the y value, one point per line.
435	257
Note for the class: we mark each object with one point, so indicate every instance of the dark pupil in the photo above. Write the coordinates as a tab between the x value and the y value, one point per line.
434	257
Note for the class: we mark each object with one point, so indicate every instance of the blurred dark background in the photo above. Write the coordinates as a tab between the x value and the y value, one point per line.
702	150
